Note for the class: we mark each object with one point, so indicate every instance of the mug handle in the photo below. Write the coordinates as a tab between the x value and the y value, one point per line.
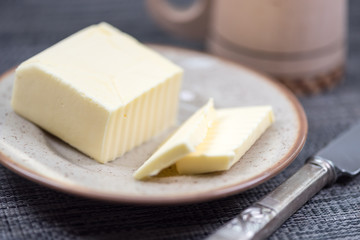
190	23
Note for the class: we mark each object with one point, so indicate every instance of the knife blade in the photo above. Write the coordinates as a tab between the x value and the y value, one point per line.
340	157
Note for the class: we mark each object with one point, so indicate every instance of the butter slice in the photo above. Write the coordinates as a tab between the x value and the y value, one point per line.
182	142
232	133
99	90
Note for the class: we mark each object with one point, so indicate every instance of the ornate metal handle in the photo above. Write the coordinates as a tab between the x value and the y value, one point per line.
265	216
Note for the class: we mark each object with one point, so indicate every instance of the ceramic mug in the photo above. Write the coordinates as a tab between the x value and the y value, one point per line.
302	43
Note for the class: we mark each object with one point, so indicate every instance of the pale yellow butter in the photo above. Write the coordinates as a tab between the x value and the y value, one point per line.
232	133
182	142
99	90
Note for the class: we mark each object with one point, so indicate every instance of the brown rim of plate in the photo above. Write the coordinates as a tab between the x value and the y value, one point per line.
186	199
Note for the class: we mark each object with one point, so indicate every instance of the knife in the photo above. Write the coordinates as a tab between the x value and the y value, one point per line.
341	157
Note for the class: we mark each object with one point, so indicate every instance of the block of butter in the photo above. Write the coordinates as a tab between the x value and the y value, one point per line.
232	133
182	142
99	90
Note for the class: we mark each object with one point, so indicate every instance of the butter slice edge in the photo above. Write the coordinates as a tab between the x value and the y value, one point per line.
182	142
232	134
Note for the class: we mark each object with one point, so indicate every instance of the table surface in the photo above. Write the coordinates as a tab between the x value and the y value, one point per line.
30	211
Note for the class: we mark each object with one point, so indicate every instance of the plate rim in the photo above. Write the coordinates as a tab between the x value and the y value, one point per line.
221	192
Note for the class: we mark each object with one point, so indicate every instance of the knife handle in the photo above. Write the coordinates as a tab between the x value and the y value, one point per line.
265	216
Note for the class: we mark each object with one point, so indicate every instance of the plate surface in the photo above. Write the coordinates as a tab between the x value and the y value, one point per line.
37	155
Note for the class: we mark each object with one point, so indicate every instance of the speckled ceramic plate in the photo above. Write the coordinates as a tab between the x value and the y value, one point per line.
37	155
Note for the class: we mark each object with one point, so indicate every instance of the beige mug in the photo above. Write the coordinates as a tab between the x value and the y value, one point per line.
302	43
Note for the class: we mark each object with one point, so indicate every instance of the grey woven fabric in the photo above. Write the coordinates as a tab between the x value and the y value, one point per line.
30	211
